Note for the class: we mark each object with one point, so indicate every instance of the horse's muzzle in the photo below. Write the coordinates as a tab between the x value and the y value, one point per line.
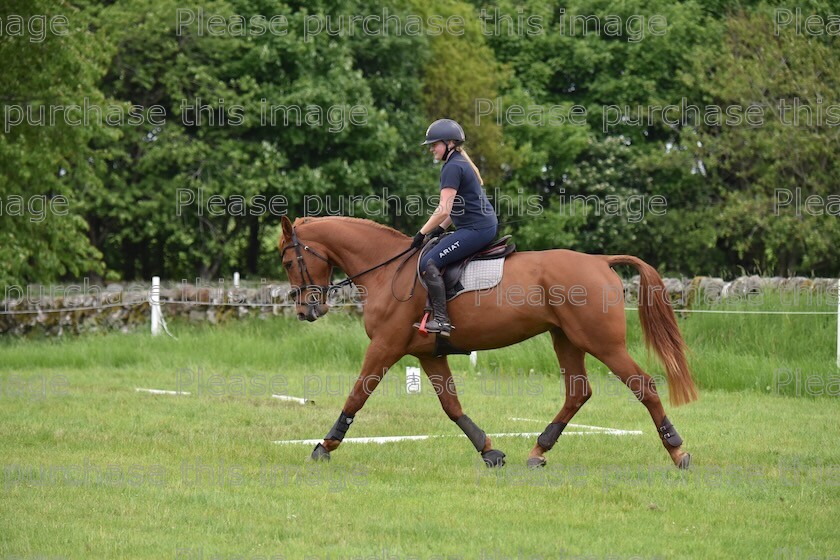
313	312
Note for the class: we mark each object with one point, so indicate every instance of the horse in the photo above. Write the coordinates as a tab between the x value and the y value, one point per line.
581	307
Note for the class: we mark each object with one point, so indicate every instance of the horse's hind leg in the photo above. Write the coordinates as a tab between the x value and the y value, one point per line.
577	393
643	386
437	369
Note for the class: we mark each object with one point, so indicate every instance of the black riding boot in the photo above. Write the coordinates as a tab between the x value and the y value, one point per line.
439	323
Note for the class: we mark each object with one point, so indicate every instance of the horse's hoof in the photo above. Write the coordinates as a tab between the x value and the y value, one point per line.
494	458
320	453
536	462
685	461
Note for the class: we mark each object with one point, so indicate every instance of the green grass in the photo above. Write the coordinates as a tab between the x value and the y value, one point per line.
93	469
766	353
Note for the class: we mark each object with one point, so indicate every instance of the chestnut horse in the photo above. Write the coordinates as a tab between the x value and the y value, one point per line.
579	302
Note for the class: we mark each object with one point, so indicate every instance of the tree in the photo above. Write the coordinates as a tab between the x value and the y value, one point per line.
789	153
43	235
248	117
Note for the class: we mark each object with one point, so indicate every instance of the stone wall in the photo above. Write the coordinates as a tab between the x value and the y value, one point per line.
117	307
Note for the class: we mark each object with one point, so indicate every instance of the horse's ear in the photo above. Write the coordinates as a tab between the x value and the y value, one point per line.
287	227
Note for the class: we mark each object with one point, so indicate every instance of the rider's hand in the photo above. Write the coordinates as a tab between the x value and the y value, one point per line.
437	232
418	240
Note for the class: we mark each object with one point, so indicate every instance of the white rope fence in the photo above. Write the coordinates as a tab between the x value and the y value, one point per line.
158	321
71	308
413	377
743	312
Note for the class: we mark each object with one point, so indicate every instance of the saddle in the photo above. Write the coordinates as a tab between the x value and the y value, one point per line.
453	275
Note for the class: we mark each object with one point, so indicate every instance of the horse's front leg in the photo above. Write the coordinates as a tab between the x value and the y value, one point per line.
438	372
379	357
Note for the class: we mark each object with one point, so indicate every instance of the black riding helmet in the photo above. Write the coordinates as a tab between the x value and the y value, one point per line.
444	129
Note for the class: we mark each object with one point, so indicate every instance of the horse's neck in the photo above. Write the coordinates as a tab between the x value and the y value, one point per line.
356	247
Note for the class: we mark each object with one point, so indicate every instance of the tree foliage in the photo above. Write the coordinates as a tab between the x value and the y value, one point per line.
43	233
249	118
766	173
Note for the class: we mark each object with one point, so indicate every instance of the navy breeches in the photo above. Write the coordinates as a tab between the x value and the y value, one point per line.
460	245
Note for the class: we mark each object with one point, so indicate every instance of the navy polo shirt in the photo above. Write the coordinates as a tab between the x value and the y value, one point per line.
471	208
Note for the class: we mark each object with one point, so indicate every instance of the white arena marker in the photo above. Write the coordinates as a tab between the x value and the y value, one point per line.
160	391
292	399
412	380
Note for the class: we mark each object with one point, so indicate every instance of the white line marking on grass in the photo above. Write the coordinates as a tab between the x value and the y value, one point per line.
392	439
168	392
611	431
380	440
292	399
160	391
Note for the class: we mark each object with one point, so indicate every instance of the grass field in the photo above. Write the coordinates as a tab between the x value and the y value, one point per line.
94	469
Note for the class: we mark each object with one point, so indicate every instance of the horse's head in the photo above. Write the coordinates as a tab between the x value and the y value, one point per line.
309	273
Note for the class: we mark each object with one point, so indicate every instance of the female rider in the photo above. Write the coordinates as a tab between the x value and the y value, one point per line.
462	202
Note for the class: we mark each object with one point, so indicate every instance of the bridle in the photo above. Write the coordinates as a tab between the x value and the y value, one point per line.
325	291
296	292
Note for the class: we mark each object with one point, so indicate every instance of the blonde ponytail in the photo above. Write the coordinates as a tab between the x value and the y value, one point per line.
466	155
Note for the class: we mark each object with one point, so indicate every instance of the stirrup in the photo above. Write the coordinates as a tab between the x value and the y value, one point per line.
421	326
439	327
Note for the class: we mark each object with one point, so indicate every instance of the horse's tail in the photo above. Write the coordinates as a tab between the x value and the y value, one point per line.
660	328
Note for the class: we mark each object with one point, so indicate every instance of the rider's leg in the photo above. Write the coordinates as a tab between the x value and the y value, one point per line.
439	323
458	246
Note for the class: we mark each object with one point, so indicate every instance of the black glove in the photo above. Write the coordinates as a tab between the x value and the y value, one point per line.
418	240
437	232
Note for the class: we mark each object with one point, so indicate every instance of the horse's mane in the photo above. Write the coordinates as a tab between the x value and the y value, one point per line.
359	221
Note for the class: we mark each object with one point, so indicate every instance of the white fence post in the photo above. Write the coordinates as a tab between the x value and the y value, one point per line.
236	280
155	303
473	358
